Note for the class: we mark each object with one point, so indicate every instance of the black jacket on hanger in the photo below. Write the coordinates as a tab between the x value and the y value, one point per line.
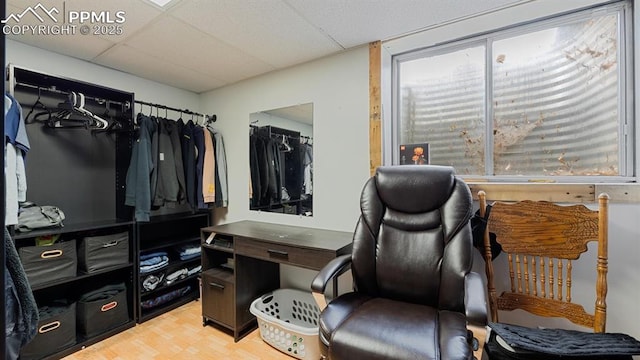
256	185
189	163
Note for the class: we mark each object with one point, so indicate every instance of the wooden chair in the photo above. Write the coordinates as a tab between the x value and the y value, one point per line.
542	240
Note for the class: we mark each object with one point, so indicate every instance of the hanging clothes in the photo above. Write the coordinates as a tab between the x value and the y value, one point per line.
16	147
208	169
179	165
254	169
155	153
273	160
222	188
307	163
263	165
18	132
198	137
138	181
189	158
167	186
175	133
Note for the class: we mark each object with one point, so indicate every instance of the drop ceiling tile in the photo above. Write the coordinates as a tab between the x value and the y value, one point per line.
134	61
72	42
269	30
81	47
136	14
356	22
182	44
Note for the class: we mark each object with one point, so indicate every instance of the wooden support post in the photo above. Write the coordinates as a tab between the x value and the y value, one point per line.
375	125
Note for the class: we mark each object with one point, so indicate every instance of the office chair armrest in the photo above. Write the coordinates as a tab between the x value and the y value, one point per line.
334	268
475	299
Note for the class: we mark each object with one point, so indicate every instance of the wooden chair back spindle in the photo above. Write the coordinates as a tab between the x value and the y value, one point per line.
541	240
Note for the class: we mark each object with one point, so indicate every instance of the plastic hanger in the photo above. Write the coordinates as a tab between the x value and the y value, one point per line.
102	124
38	104
115	123
285	143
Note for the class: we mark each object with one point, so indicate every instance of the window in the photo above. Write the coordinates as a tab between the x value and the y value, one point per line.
556	92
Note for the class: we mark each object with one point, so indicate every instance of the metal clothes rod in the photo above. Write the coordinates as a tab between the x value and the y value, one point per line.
184	111
56	91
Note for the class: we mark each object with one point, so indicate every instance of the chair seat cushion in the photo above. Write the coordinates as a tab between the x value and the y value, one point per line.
379	328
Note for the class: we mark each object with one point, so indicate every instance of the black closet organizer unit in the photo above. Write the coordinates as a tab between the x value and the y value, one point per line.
173	281
167	268
277	171
80	166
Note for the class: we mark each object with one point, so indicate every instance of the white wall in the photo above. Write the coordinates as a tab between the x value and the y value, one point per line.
338	86
48	62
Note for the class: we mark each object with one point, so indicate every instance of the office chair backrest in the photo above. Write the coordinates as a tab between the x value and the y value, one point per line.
541	241
413	236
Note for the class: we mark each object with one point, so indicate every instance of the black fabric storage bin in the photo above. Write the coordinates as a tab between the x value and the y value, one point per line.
107	312
44	264
100	252
55	333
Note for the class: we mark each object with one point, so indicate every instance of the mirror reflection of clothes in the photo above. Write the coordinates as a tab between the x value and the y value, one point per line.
275	160
307	163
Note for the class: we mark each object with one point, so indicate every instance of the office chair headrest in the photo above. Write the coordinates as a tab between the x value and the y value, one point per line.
414	188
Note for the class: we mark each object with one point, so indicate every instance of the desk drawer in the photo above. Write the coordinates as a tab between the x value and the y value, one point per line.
308	258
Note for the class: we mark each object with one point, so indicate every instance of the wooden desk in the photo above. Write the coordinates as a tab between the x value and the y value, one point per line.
240	262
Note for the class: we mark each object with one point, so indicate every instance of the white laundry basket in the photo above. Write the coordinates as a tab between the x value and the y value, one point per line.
288	321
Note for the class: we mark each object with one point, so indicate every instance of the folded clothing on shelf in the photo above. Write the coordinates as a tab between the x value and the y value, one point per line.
176	275
194	270
189	251
151	282
165	298
153	261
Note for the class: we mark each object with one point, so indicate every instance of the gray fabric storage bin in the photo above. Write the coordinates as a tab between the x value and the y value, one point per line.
102	309
44	264
55	332
104	251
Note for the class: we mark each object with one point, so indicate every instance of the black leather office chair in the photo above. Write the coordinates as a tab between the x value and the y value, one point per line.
414	295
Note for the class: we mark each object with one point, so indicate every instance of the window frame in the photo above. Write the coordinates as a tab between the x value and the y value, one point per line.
629	140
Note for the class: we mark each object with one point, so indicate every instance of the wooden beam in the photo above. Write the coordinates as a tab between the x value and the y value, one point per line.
571	193
375	124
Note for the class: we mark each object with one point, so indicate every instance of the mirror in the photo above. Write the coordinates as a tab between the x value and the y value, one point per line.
281	160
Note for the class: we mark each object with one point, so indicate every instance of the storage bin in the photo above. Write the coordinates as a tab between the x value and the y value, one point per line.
44	264
102	309
56	332
288	321
104	251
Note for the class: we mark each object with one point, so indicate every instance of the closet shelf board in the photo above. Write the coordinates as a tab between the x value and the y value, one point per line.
74	227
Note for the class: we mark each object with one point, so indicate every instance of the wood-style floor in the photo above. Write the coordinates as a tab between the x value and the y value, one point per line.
179	334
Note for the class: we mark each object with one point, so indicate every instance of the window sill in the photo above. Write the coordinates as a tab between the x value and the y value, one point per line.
556	192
